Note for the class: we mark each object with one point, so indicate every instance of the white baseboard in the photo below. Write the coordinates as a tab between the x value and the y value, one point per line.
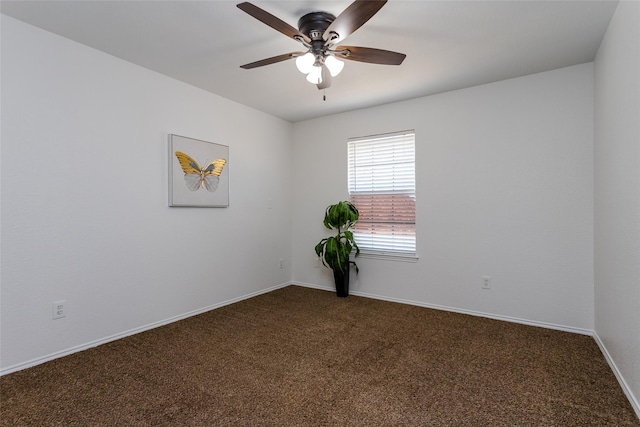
459	310
62	353
625	387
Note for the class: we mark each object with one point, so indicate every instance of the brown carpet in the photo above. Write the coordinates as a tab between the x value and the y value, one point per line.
303	357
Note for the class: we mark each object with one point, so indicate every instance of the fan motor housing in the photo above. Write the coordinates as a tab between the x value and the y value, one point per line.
314	24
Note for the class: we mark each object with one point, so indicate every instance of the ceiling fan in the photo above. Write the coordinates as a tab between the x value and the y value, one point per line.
319	33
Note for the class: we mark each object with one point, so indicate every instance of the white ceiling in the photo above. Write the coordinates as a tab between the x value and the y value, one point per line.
449	45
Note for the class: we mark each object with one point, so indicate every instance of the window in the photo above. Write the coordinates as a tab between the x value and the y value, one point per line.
381	172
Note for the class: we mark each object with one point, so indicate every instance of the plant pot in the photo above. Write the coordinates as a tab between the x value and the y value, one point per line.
341	279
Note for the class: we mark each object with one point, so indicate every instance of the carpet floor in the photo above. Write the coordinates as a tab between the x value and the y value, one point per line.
303	357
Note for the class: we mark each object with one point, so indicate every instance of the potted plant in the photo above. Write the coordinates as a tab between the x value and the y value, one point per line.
336	250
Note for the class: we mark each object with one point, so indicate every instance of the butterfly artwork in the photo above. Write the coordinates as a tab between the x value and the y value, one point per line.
198	173
196	177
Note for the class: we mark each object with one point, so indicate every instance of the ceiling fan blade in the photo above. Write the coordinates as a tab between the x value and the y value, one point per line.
326	78
352	18
271	60
272	21
369	54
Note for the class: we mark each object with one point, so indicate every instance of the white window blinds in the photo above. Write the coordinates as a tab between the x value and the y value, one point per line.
381	174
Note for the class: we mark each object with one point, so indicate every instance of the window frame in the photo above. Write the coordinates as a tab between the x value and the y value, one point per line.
404	185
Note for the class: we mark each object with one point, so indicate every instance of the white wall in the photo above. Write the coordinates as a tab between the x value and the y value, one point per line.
504	189
85	216
617	196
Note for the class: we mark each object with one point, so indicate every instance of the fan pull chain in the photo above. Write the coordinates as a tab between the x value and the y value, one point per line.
324	95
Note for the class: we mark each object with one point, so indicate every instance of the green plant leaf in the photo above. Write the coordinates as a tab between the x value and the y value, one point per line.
320	247
342	215
349	236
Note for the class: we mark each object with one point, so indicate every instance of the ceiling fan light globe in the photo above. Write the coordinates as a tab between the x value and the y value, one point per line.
305	62
315	75
334	65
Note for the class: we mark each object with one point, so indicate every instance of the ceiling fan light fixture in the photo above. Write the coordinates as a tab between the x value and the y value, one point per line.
320	33
305	62
315	75
334	65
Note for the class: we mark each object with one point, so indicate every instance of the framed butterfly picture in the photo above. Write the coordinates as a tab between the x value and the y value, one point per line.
198	173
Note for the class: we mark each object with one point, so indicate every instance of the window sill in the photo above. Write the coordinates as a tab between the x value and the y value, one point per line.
388	256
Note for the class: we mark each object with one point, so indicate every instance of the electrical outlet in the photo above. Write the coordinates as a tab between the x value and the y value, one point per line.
486	282
281	262
59	309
